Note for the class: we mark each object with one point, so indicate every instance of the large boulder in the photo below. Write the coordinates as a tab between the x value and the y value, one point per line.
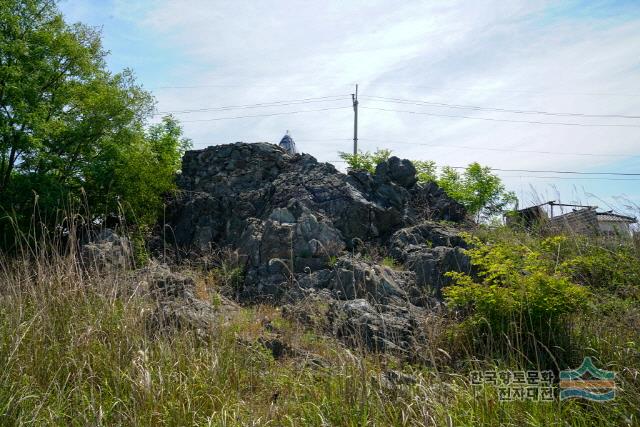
429	201
427	234
289	215
353	278
431	265
401	172
176	307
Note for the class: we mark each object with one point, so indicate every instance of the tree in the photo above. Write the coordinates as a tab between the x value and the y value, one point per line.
68	126
365	160
426	170
481	192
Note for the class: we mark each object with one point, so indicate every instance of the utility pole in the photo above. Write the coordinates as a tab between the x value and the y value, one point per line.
354	99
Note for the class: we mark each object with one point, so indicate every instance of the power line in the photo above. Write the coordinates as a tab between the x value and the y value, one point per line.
391	142
502	110
554	171
539	171
571	178
259	105
531	92
503	120
540	177
264	115
376	84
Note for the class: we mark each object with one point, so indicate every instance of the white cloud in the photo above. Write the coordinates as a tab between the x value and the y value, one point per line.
516	54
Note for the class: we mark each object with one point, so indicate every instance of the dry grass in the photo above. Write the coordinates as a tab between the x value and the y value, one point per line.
74	351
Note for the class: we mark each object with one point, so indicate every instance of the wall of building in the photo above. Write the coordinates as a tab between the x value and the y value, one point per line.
583	221
614	228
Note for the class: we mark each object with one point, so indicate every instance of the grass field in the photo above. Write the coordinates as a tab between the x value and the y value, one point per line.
74	351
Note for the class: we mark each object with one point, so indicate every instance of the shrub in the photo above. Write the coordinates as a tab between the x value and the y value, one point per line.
516	297
365	160
614	269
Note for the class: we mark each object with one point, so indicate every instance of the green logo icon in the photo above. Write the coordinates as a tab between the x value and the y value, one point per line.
587	382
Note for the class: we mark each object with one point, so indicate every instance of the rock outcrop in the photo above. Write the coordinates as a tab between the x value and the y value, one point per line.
300	227
106	250
176	307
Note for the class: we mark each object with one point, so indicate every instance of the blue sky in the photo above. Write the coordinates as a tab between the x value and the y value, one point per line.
574	56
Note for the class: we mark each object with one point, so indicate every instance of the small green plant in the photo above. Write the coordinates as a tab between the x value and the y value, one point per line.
390	262
365	160
139	248
612	268
332	261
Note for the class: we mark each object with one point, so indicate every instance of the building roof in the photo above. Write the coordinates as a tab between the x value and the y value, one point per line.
288	144
612	217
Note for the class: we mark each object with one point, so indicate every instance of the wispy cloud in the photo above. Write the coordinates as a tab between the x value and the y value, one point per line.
566	57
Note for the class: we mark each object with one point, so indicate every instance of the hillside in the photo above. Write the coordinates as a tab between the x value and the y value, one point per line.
277	290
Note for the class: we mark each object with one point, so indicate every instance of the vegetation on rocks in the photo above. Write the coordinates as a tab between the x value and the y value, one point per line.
76	350
274	289
479	190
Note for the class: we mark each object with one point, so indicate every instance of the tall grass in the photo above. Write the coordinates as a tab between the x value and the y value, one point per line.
74	351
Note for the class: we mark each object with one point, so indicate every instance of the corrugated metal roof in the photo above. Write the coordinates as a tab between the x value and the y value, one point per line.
611	217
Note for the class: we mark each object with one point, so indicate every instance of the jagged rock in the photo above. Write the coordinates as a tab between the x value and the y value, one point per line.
176	306
228	184
106	251
426	234
288	214
430	266
385	328
392	379
402	172
430	250
354	278
431	202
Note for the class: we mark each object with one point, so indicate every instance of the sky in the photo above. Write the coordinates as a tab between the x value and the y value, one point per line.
410	57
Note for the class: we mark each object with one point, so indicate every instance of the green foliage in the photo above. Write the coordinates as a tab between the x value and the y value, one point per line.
365	160
426	170
518	295
70	130
75	351
139	247
390	262
229	275
612	267
481	192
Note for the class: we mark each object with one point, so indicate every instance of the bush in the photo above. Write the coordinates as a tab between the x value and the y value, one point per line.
365	160
612	268
517	297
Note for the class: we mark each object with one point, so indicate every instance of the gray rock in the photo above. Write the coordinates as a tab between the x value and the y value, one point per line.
383	328
401	172
427	234
176	306
354	278
107	251
429	201
430	266
287	214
